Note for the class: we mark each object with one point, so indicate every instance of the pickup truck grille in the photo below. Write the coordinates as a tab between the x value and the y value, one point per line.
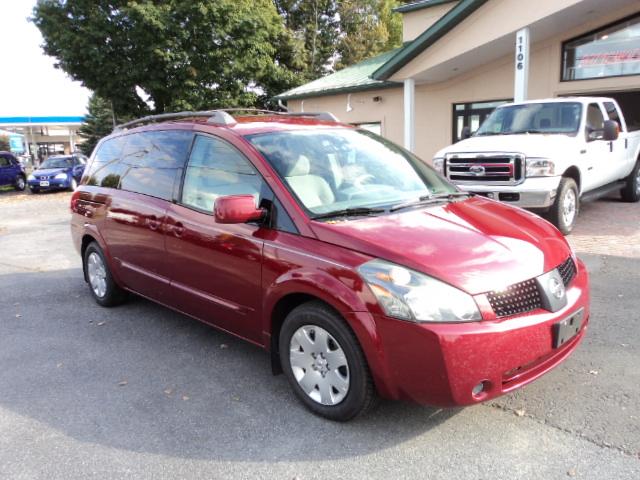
491	168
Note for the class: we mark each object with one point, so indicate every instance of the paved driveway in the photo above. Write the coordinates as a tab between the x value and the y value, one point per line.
142	392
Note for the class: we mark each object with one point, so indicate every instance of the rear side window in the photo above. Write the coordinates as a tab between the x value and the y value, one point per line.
4	161
105	169
217	169
612	111
153	162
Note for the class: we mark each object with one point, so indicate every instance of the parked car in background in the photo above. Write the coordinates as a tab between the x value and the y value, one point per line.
355	264
11	172
548	156
59	172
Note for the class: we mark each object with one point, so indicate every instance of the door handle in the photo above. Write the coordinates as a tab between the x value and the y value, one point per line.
178	229
153	222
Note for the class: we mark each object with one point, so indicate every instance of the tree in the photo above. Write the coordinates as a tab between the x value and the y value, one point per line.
368	28
185	55
97	123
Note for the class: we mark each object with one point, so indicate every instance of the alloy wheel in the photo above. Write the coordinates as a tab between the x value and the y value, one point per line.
569	203
319	365
97	273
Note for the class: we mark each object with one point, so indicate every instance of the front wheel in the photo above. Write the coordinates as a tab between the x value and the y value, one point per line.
20	183
564	212
631	190
324	363
103	287
73	185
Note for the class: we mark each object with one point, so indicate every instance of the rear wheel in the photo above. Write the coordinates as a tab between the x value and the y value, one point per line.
20	183
103	288
324	363
564	212
631	190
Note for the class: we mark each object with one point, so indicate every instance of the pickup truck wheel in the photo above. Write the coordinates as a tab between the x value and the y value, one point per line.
324	363
631	190
564	211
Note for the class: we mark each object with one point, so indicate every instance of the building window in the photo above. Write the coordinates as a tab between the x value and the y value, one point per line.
472	115
612	51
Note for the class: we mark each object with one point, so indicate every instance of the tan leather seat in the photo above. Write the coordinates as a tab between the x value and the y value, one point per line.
312	190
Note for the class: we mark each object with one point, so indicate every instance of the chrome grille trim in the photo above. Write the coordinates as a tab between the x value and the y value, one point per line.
496	168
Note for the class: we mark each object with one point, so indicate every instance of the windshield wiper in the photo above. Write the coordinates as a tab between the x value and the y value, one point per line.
530	130
429	199
349	212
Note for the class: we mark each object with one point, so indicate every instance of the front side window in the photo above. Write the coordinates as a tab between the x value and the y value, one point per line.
544	118
595	119
217	169
609	52
334	169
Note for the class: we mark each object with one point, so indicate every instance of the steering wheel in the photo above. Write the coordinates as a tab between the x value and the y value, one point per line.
362	179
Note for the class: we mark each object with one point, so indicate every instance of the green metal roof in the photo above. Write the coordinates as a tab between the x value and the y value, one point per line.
412	7
427	38
351	79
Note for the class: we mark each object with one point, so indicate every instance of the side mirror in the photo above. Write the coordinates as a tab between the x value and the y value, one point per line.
611	131
237	209
466	133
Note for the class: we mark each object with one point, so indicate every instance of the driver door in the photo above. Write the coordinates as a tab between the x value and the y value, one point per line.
598	155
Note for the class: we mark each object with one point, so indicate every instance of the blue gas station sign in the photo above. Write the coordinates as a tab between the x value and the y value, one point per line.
15	144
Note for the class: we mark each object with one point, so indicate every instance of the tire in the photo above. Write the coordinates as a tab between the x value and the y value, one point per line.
312	337
20	183
631	190
34	190
101	284
73	185
564	212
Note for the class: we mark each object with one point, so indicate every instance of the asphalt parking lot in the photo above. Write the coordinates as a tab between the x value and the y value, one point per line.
142	392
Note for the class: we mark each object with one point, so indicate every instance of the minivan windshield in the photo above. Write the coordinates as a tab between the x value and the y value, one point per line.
346	170
57	162
542	118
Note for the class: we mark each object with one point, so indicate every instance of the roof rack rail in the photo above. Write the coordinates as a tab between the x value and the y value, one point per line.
213	116
220	116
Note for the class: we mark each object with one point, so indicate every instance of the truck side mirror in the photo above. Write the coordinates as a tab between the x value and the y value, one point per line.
611	131
466	133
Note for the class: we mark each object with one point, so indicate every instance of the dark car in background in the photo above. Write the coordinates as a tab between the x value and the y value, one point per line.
11	172
60	172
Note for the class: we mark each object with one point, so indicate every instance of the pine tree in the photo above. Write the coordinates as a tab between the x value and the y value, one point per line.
97	124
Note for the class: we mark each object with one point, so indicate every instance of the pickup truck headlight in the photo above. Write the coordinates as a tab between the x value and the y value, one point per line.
540	167
438	164
413	296
61	176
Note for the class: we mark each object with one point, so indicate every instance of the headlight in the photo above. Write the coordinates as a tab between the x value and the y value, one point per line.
61	176
413	296
31	177
438	164
540	167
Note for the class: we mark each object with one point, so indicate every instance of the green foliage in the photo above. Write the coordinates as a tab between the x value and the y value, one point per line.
4	143
97	123
186	55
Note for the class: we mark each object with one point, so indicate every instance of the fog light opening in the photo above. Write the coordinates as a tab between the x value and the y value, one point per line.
481	390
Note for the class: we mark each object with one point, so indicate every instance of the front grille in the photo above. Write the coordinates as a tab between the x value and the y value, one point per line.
518	298
567	271
494	168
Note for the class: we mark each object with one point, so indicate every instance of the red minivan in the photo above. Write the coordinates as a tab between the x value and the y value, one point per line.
358	267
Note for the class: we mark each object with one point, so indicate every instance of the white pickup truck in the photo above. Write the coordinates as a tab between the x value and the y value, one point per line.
548	156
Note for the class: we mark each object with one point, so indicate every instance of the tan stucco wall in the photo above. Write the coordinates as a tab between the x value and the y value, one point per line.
414	23
492	81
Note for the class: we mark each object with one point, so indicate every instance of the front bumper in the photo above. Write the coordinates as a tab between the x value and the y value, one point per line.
54	184
534	193
440	364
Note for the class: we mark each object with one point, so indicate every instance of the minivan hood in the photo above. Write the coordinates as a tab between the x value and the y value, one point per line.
532	145
477	245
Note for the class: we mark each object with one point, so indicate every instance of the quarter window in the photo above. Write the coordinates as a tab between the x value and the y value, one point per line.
105	169
217	169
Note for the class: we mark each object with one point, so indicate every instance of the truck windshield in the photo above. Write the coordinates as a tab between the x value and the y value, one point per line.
544	118
338	169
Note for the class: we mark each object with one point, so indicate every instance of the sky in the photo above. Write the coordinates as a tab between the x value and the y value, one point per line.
29	83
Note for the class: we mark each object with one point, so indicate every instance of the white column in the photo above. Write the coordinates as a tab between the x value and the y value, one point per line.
521	86
410	114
